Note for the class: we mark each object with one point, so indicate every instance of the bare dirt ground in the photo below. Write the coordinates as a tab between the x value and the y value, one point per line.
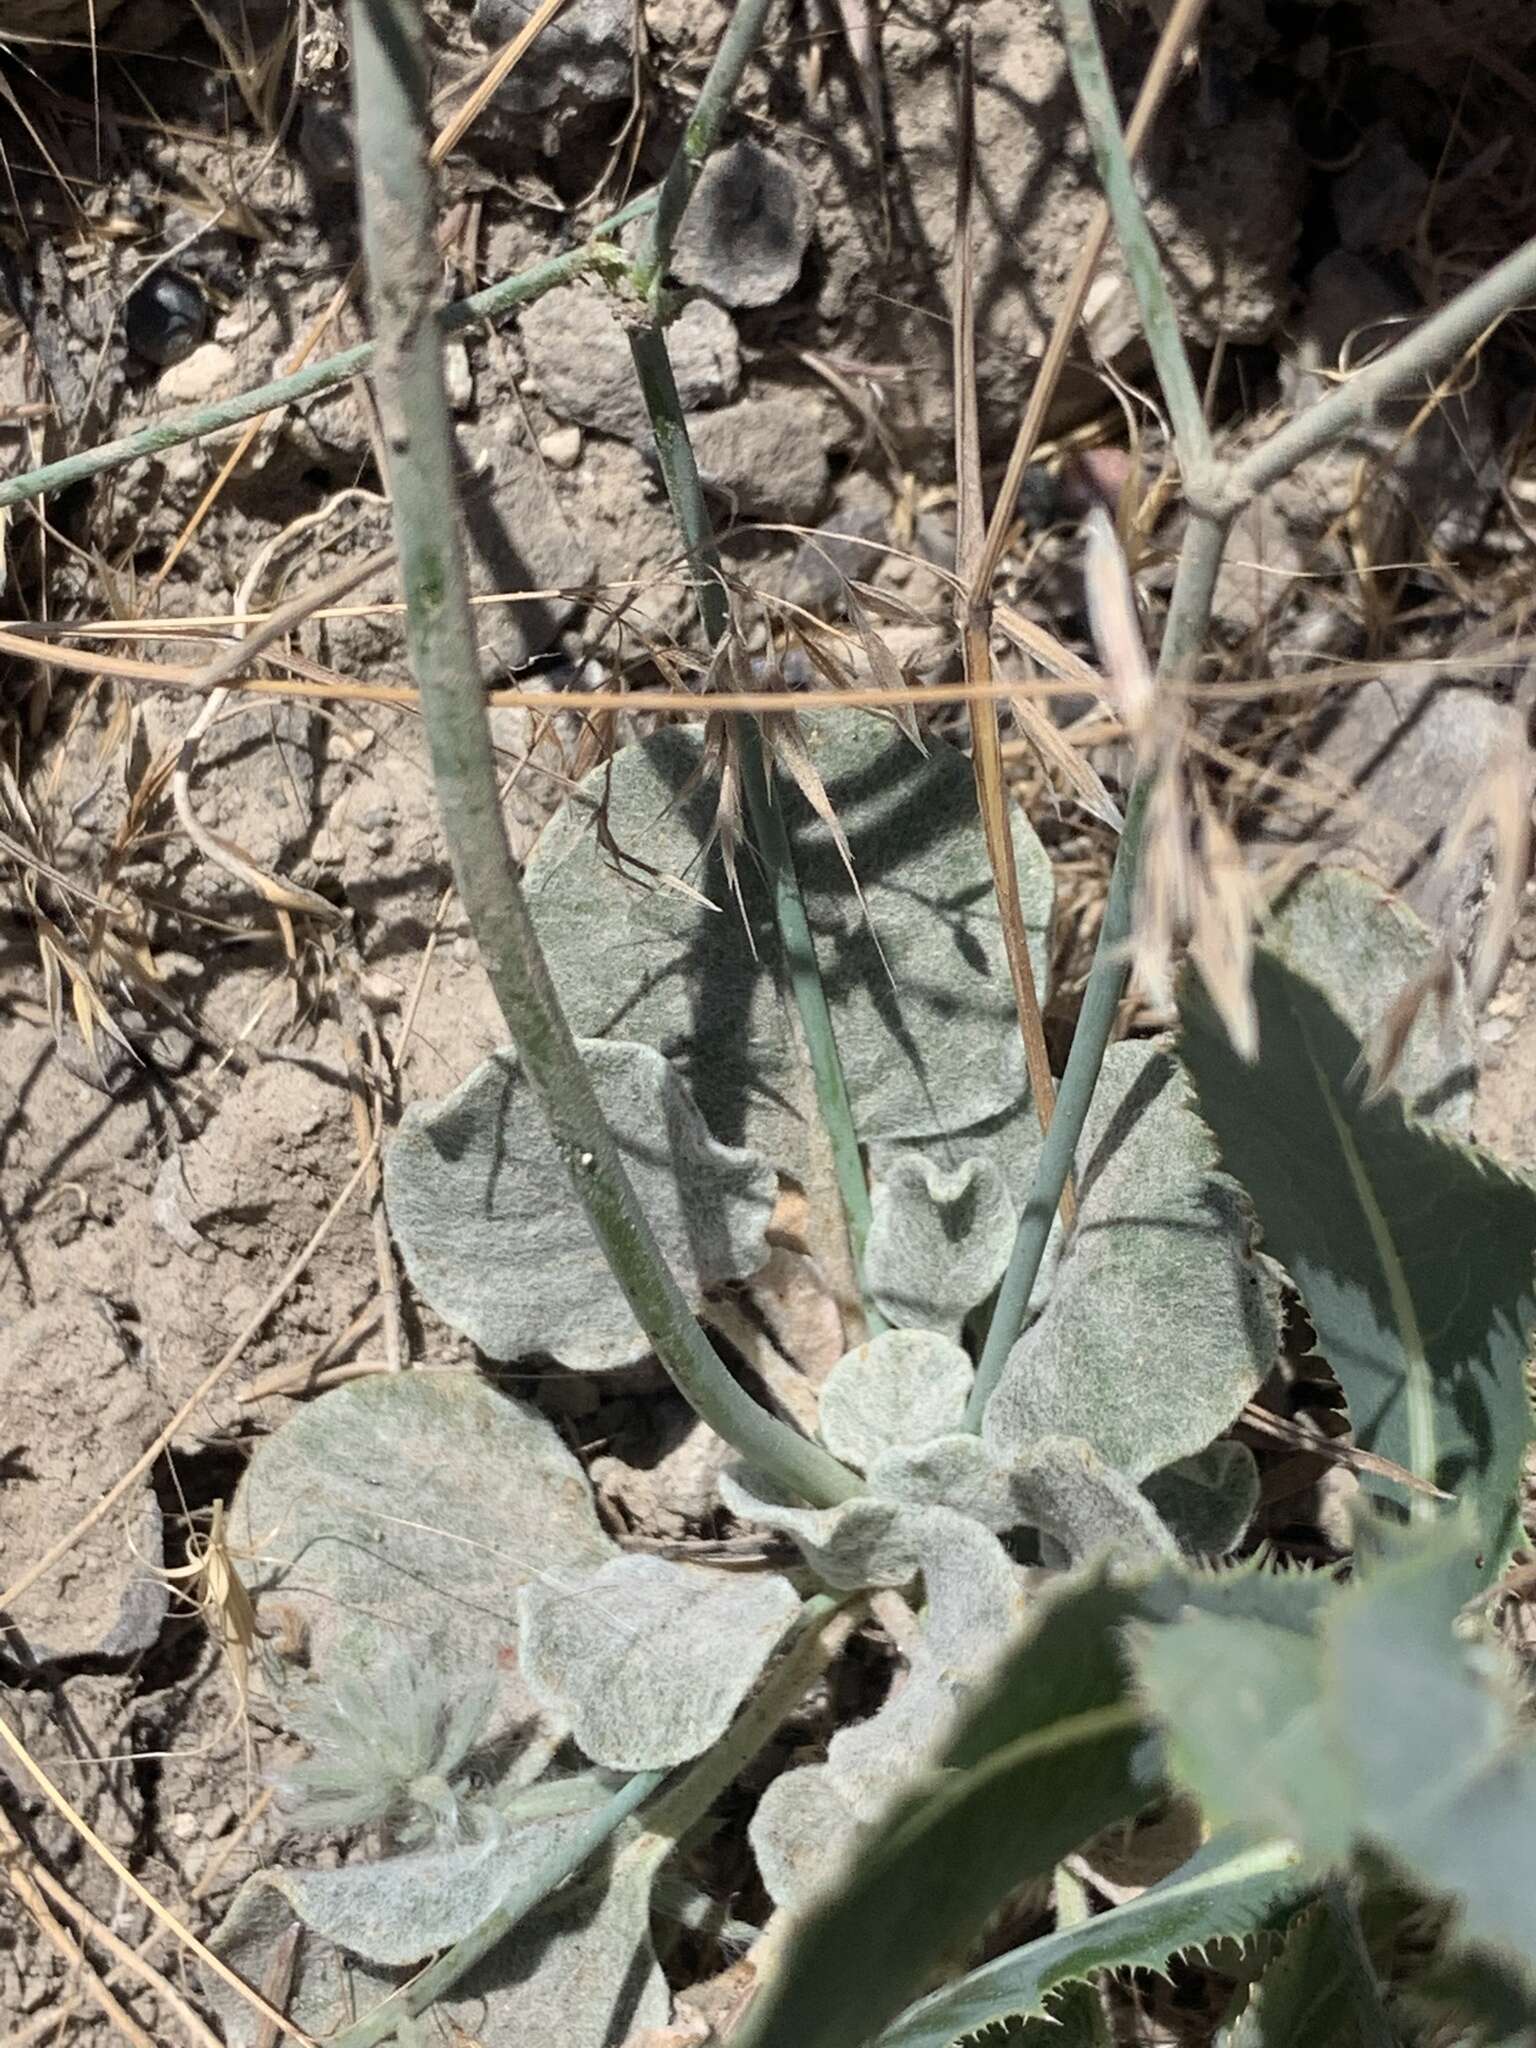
196	1043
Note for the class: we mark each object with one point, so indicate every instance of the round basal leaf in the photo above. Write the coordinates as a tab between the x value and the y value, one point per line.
973	1601
1063	1487
495	1238
579	1970
647	1660
939	1239
801	1834
1363	946
400	1514
919	987
1161	1322
897	1391
1207	1500
862	1542
957	1472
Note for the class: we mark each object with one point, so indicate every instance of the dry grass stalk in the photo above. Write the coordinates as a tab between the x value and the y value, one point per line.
145	1897
992	793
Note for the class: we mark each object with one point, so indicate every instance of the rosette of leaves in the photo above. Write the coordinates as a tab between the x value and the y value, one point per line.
435	1550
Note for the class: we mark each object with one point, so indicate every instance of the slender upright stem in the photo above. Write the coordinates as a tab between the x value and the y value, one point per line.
1188	616
1438	340
699	138
389	86
680	473
1159	321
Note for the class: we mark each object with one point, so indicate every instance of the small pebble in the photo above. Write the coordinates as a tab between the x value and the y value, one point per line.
561	447
209	370
458	377
165	318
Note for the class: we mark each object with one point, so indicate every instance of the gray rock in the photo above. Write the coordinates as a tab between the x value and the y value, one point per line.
766	456
585	56
835	554
576	348
1378	200
519	539
745	234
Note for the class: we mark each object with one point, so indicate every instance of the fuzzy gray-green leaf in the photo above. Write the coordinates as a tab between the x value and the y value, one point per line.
1207	1500
1415	1254
400	1514
1227	1891
1362	946
648	1660
896	1392
1055	1744
927	1033
402	1908
494	1235
1161	1322
939	1239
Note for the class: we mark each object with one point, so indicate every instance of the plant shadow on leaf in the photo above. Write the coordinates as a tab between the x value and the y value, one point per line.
1414	1254
919	989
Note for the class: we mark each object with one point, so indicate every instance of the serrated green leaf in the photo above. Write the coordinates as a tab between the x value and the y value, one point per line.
1307	1995
494	1235
1241	1706
1055	1752
1160	1322
1431	1732
1228	1891
939	1240
1415	1254
647	1660
928	1034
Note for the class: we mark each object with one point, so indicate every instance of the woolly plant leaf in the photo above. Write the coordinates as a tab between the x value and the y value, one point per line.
579	1970
802	1833
1207	1501
402	1908
1363	946
939	1240
972	1602
1229	1891
662	952
494	1235
399	1515
1060	1758
1161	1322
1415	1254
896	1392
1065	1489
646	1660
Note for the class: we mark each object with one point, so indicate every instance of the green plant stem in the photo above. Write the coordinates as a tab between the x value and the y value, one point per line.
577	1848
699	138
389	79
490	304
680	473
1188	616
1437	341
1160	324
